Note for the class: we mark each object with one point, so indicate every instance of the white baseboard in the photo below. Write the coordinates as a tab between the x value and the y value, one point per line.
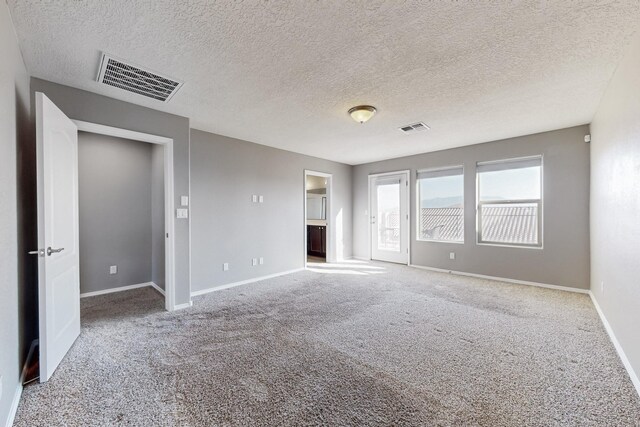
120	289
14	405
182	306
503	279
361	258
157	288
244	282
623	357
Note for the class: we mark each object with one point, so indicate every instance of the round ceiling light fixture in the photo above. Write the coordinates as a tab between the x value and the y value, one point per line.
362	113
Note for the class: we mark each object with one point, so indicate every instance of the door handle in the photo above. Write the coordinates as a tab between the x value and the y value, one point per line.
39	252
53	251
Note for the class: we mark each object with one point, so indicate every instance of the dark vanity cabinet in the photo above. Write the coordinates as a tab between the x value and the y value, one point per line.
317	240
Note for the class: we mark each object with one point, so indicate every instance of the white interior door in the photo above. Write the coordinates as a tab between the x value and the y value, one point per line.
389	217
58	266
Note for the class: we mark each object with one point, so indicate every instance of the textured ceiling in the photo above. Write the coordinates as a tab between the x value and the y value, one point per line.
284	73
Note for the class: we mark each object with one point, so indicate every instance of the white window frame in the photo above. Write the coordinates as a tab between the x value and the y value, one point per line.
538	202
418	207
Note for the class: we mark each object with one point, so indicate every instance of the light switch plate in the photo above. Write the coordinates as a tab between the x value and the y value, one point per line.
452	255
184	200
182	213
254	261
261	199
261	261
254	198
113	269
225	266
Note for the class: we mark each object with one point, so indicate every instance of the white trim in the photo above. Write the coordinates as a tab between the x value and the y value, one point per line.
183	306
120	133
332	253
157	288
370	178
503	279
361	258
113	290
623	357
244	282
13	409
170	246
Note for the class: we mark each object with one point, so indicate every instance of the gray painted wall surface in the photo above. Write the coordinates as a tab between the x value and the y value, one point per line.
228	227
564	260
157	215
82	105
115	193
615	205
14	125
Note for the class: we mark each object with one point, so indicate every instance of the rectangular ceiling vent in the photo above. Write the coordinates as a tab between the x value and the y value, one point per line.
117	73
416	127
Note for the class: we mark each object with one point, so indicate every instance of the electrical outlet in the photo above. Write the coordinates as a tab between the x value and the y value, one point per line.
452	255
261	199
225	266
254	261
182	213
261	261
254	198
113	269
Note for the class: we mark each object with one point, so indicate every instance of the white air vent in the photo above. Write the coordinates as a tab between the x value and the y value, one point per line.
416	127
117	73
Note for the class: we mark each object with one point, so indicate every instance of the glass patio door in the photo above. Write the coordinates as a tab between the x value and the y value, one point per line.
389	218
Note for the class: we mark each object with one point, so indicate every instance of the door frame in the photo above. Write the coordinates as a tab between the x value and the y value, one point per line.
331	254
372	177
169	220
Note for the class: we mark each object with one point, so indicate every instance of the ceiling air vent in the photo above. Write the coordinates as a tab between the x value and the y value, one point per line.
416	127
118	73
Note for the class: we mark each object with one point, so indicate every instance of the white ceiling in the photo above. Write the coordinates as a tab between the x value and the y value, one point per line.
284	73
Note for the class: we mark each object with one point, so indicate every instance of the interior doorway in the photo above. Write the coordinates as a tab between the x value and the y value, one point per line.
318	229
162	240
389	216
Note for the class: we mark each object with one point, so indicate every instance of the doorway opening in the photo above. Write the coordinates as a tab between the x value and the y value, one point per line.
318	229
126	216
389	217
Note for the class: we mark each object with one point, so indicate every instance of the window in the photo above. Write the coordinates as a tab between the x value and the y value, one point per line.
440	204
510	202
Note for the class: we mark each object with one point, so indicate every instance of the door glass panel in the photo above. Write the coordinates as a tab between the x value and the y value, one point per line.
388	198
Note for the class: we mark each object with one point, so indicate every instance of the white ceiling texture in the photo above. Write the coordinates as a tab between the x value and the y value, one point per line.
284	73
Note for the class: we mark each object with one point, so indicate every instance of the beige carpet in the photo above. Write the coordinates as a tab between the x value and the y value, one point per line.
351	344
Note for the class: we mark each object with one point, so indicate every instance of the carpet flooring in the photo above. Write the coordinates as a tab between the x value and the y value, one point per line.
353	344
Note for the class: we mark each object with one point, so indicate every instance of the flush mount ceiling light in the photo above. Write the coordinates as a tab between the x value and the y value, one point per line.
362	113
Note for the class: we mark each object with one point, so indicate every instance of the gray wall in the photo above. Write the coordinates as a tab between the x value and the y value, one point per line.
14	125
615	205
564	260
228	227
115	204
157	215
82	105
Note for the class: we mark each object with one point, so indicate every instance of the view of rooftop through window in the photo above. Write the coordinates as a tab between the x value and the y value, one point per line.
441	195
510	202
